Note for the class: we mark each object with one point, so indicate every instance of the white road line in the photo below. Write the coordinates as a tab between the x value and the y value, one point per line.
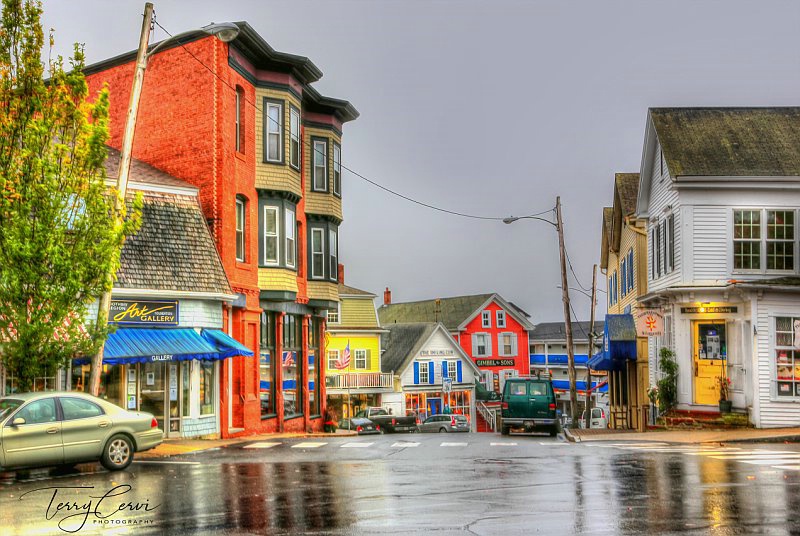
359	445
503	444
403	444
308	445
756	456
788	467
166	462
261	445
446	444
774	461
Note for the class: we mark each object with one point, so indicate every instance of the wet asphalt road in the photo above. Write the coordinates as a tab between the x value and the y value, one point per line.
414	484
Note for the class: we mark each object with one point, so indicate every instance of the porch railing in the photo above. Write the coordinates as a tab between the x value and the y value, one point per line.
489	415
359	380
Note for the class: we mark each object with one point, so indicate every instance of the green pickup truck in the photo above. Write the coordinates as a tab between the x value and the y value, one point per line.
529	404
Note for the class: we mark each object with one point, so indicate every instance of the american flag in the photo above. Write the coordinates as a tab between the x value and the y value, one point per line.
344	360
288	359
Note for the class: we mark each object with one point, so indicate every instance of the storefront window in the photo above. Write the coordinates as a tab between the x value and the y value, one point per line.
314	327
426	404
266	370
787	359
186	382
206	387
292	371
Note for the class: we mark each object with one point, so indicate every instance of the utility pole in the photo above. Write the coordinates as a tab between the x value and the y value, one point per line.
591	347
573	393
122	182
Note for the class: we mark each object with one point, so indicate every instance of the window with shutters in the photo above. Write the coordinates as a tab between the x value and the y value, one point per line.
481	345
360	359
423	372
452	370
507	344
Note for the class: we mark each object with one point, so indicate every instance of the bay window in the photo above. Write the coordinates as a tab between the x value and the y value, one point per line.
317	253
319	158
289	228
337	169
294	137
333	251
273	131
270	236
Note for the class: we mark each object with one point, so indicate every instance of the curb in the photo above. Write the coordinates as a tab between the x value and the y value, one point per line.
768	439
571	438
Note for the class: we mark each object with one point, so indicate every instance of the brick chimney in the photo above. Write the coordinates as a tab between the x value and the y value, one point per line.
387	296
340	273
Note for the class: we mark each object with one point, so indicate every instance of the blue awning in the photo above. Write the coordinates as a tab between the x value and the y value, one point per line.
557	359
227	345
563	385
619	344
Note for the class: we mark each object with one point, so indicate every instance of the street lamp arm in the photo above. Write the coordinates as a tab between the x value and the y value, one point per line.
512	219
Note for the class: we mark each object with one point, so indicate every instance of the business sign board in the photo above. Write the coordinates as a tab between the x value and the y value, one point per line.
142	312
715	309
495	362
649	322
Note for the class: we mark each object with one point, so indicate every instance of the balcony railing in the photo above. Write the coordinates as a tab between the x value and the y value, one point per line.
359	380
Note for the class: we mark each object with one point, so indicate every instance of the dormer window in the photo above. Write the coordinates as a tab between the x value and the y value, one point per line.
501	319
486	319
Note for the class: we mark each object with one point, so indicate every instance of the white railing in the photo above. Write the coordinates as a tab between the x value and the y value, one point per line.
490	416
359	380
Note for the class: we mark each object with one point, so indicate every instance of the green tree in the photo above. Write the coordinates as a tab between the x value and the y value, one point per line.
668	384
58	235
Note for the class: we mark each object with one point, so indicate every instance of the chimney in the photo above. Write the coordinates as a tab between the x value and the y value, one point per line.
387	296
340	274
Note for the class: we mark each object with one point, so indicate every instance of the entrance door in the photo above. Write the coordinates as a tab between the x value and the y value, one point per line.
710	350
152	382
434	406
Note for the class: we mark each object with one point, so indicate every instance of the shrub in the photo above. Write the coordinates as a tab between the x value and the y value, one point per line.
668	384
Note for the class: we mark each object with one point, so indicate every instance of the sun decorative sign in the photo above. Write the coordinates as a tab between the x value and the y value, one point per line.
649	322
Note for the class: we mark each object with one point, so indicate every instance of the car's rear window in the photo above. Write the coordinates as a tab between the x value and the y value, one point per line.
538	388
8	405
517	388
461	418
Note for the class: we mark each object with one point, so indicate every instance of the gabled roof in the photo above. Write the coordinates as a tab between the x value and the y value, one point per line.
626	186
404	341
351	292
556	331
454	312
729	142
145	174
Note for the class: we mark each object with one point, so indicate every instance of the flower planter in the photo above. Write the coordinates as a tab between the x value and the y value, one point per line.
725	406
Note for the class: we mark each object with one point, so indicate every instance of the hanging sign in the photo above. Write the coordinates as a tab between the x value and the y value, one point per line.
649	322
164	313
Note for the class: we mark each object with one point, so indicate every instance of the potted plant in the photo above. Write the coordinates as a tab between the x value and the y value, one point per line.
724	385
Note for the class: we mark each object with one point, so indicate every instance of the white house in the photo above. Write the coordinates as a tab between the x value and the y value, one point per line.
433	374
720	189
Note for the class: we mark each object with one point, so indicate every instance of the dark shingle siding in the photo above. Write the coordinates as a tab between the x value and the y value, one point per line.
452	312
552	331
401	341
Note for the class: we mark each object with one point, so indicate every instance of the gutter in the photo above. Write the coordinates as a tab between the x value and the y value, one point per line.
152	293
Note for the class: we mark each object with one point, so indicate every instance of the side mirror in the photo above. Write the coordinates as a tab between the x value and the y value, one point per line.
17	421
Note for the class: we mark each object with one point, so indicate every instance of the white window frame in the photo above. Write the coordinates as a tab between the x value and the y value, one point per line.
487	345
333	253
486	319
294	136
423	369
241	228
315	185
272	129
290	228
767	241
239	94
335	316
773	354
763	241
337	169
452	370
360	355
511	342
272	236
332	361
500	318
320	233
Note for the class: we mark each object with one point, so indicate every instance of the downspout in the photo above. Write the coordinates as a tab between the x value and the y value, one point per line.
229	368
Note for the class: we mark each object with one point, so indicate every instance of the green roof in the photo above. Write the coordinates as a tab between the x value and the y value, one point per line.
627	186
729	142
451	312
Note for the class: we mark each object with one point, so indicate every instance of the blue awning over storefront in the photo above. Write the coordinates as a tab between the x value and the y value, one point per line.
563	385
557	359
142	345
227	345
619	344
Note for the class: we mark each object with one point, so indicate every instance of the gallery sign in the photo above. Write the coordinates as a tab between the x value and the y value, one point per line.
649	322
495	362
163	313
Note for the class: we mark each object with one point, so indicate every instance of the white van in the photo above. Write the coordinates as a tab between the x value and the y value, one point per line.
599	418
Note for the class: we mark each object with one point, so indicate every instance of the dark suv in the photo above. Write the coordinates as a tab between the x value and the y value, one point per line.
529	403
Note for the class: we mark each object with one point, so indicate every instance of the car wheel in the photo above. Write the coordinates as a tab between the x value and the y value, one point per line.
553	431
442	430
118	453
505	430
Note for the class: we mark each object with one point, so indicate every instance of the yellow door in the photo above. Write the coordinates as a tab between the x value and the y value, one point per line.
710	357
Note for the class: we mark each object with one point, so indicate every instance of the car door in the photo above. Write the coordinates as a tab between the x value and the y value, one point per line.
38	440
429	424
516	396
84	429
539	399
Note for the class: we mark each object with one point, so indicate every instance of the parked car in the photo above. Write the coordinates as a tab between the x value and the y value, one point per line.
60	428
445	423
529	404
599	419
361	425
389	423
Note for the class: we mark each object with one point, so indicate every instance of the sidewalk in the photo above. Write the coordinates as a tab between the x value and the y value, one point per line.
174	447
687	436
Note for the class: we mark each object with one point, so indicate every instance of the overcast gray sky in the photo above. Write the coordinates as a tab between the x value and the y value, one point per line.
491	108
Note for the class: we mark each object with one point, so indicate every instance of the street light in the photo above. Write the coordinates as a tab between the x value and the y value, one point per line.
559	225
225	32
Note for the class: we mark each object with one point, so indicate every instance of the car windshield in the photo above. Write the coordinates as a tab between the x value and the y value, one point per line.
7	406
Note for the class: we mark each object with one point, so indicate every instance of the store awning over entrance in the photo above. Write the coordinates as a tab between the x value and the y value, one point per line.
619	344
141	345
563	385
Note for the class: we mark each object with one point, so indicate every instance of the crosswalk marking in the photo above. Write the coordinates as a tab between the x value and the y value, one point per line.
403	444
446	444
503	444
359	445
261	445
308	445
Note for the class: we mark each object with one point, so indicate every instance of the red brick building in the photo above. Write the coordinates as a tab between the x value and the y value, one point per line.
242	122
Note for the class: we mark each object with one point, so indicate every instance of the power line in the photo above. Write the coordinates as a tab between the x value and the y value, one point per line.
359	175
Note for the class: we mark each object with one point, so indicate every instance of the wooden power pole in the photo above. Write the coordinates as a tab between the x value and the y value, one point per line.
591	348
122	181
573	393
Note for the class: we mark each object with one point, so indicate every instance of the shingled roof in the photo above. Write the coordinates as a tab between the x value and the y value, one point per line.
729	142
173	250
451	312
344	290
555	331
627	186
402	341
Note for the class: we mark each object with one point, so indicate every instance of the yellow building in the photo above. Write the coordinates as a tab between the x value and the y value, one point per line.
623	259
354	332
